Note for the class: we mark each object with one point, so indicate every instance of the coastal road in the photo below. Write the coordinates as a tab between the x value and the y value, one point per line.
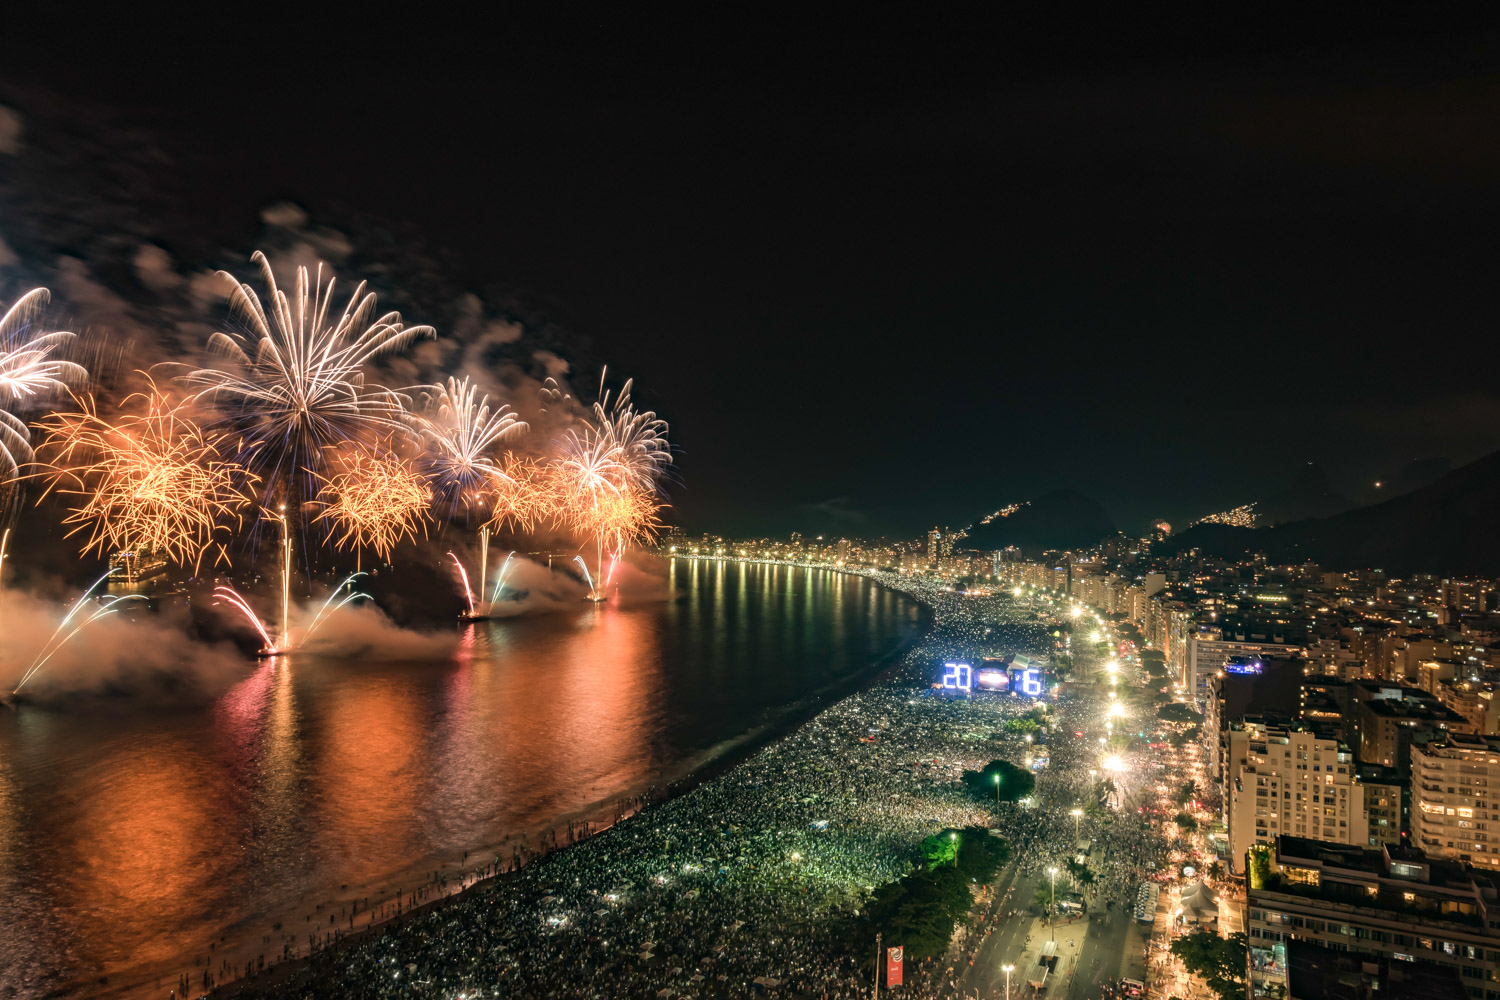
1006	944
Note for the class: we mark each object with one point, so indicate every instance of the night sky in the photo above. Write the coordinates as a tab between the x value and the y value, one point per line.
885	275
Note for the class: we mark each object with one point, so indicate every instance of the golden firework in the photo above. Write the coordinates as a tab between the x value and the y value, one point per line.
150	481
374	500
524	495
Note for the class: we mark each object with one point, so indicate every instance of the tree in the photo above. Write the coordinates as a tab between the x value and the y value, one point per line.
920	909
1156	670
1081	873
1021	725
1185	821
938	849
1178	712
1015	782
981	853
1220	961
1258	866
1187	793
977	853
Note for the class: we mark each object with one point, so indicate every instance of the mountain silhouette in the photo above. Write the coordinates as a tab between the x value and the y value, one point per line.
1309	495
1447	527
1062	519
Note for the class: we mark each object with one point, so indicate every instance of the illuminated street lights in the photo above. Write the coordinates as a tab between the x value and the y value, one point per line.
1077	815
997	793
1007	969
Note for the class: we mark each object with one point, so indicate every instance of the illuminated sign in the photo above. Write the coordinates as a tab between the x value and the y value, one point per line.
991	679
1031	682
1254	667
958	676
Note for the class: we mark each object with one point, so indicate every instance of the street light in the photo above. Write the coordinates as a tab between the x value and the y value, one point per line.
954	837
1077	814
997	791
1008	969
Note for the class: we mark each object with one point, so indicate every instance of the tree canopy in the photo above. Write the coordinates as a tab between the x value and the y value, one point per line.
1178	712
920	910
1015	782
1220	961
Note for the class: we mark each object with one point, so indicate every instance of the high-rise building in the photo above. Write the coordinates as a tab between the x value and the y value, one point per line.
843	550
932	545
1387	902
1455	795
1387	805
945	543
1207	656
1288	781
1391	719
1469	595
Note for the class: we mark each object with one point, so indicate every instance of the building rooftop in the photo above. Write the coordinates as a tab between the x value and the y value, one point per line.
1314	971
1415	711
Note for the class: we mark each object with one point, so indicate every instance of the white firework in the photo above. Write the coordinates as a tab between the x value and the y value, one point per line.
296	385
31	369
461	433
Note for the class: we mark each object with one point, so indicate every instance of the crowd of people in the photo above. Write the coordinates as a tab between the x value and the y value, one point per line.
753	880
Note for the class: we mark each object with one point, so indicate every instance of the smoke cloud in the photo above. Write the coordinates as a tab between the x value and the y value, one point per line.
133	651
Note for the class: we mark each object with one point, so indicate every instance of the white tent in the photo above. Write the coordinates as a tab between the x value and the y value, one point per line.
1199	904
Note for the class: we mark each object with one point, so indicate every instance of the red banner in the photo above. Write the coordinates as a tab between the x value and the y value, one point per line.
893	966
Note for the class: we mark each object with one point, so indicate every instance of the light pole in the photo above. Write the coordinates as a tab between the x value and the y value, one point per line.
1077	814
1008	970
997	793
954	837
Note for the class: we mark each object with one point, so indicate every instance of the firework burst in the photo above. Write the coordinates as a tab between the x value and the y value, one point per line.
461	433
31	369
151	480
524	495
374	500
610	470
296	384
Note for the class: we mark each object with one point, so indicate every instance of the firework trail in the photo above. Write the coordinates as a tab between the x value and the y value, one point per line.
500	581
587	576
463	575
374	500
296	384
236	600
30	370
461	433
151	481
62	634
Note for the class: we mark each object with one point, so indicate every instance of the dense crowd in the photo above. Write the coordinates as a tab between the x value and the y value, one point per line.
753	879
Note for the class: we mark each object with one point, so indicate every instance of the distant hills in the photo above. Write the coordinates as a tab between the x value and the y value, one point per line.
1449	526
1062	519
1309	495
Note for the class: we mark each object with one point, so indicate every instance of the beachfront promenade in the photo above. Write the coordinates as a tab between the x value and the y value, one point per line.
761	873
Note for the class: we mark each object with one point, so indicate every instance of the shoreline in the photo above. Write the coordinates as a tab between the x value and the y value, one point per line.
690	775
